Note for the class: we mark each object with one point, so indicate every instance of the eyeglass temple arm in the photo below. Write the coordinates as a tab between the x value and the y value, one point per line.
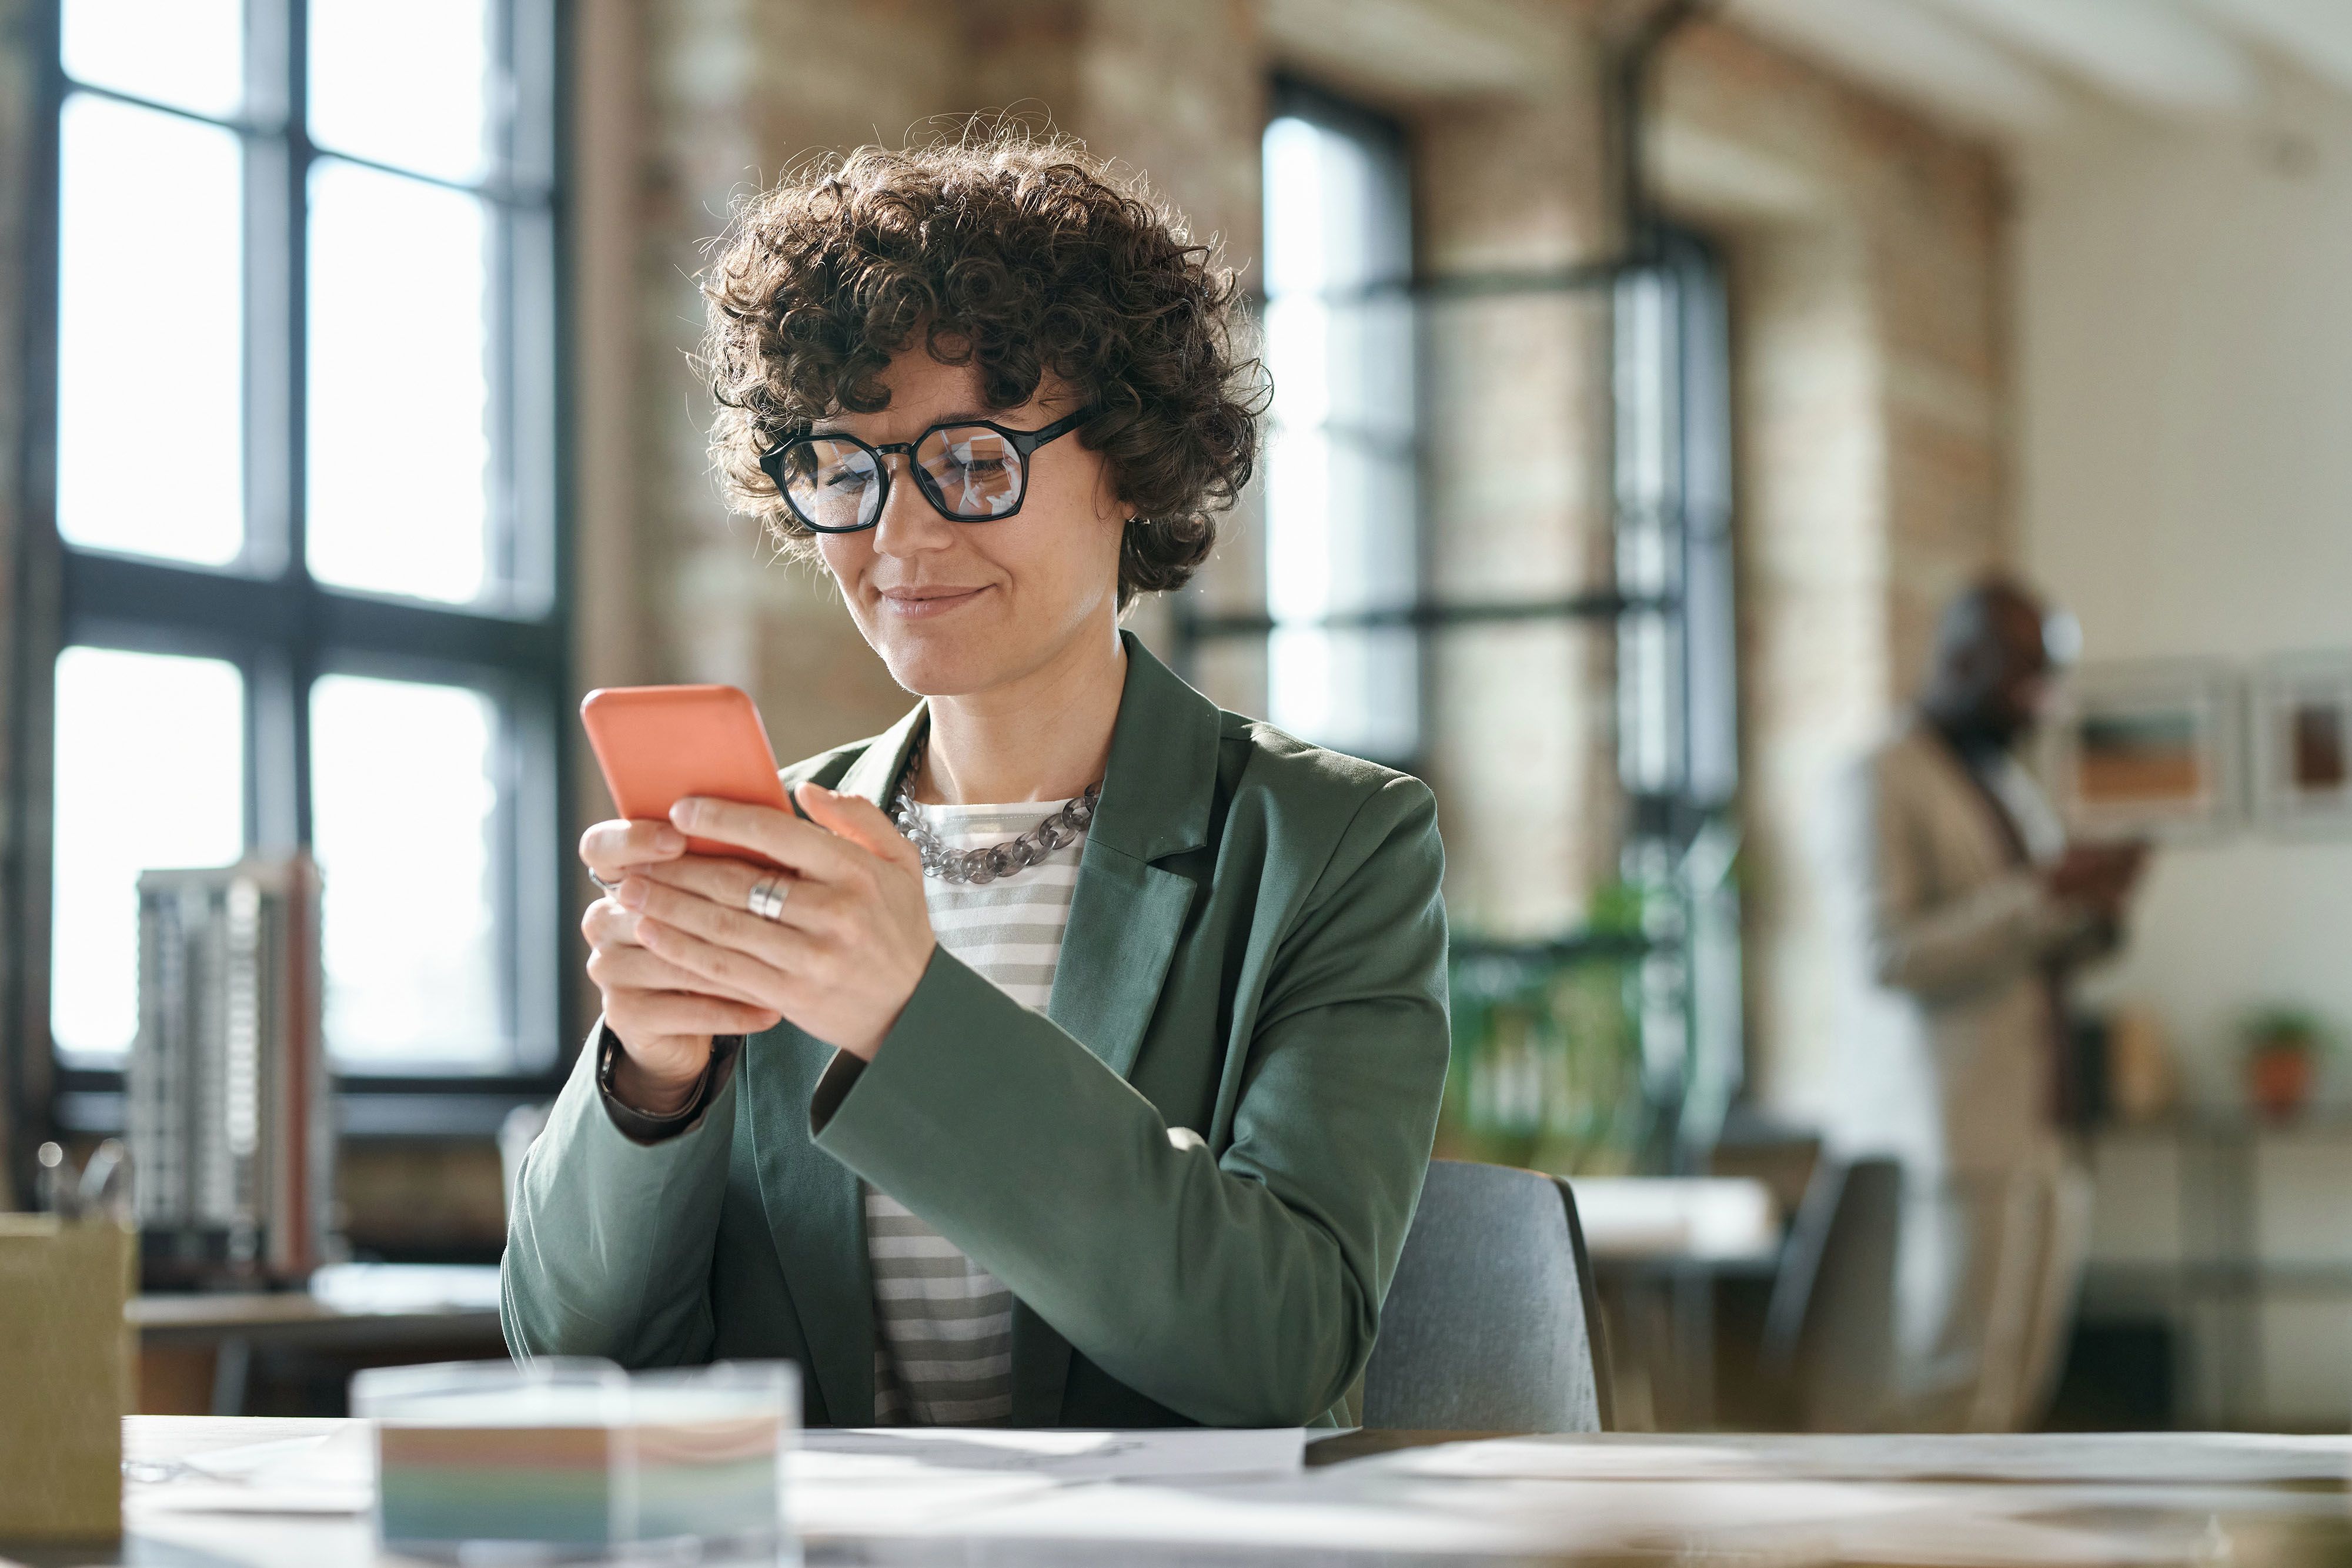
1027	442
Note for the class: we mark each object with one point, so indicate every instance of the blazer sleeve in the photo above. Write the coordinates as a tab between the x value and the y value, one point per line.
609	1244
615	1214
1240	1288
1934	943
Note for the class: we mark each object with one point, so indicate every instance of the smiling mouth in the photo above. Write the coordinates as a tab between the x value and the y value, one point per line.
919	604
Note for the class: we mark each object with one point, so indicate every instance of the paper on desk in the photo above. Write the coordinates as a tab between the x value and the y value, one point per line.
1353	1508
408	1287
1332	1512
869	1483
2139	1458
1159	1453
330	1474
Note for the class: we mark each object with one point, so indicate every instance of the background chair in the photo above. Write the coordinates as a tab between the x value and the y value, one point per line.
1829	1335
1491	1324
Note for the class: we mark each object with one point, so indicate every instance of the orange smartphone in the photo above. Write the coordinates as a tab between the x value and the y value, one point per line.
660	743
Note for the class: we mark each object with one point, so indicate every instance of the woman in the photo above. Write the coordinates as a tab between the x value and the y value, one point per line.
1121	1122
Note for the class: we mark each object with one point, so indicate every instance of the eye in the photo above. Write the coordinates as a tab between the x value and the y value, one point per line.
851	473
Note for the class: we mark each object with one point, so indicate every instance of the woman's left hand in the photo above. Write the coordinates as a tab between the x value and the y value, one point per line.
854	936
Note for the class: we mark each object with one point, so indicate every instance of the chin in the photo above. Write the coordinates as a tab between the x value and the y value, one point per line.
941	661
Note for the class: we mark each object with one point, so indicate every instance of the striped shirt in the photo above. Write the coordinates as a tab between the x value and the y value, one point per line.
943	1341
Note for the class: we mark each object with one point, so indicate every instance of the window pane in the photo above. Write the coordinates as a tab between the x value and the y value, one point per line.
1342	499
166	481
399	389
1357	690
186	53
150	774
407	84
404	796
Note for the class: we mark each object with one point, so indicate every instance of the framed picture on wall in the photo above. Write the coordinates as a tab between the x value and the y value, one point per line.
2302	724
2151	747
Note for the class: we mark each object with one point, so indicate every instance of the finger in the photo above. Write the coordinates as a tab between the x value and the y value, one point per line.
610	925
684	1013
859	821
767	941
729	883
607	847
781	836
718	878
736	970
607	925
641	970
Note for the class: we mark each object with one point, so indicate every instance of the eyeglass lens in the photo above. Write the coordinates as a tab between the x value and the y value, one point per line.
967	472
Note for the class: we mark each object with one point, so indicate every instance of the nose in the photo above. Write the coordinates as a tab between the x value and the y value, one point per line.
909	526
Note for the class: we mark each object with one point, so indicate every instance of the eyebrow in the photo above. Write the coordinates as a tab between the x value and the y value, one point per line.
962	416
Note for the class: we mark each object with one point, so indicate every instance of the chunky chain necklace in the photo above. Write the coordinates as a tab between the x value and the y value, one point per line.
1062	828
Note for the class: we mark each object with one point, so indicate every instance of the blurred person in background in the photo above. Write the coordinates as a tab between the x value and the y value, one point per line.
1961	912
1080	1068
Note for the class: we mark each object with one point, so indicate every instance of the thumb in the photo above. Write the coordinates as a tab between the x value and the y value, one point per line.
857	819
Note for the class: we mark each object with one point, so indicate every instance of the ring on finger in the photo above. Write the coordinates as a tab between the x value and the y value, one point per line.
600	881
767	897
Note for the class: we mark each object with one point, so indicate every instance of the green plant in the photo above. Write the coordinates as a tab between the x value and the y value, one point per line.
1546	1067
2288	1027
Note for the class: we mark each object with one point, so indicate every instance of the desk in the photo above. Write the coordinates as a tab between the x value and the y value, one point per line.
1436	1498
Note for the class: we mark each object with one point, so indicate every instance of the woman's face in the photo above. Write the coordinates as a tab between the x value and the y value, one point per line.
957	609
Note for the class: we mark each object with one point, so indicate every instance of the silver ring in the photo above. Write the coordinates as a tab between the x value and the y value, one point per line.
600	881
766	898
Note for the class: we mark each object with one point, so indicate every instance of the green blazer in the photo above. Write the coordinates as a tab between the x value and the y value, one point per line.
1193	1171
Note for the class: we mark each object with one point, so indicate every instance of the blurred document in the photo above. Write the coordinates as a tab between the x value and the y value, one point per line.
326	1474
2217	1458
870	1482
1156	1454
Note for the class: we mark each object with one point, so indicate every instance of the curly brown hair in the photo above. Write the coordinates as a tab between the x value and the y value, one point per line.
1020	255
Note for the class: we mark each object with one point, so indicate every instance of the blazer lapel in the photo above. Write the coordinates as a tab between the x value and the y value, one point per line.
815	1207
817	1212
1126	918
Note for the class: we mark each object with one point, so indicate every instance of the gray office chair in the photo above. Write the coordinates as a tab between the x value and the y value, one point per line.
1828	1334
1492	1324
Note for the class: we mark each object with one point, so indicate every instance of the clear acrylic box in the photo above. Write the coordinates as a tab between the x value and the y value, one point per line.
565	1460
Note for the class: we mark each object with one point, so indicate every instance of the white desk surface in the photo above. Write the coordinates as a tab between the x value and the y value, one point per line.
2207	1499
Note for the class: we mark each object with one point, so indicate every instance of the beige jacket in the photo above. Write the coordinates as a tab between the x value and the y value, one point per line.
1944	1024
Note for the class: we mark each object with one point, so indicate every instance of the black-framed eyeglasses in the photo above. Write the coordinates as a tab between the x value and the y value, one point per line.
972	471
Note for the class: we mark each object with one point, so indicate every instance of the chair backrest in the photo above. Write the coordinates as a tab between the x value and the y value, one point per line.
1828	1334
1491	1324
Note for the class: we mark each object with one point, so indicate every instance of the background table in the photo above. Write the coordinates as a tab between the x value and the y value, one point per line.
197	1350
1660	1248
1386	1497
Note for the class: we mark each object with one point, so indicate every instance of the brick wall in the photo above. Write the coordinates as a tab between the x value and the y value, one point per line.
1865	247
1866	250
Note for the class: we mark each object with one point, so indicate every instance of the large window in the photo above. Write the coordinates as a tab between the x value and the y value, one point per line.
1342	508
305	502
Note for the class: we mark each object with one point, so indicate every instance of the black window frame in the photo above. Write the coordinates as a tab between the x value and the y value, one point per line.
282	628
1679	848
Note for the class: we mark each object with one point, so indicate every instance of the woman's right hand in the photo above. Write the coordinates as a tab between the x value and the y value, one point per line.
663	1016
